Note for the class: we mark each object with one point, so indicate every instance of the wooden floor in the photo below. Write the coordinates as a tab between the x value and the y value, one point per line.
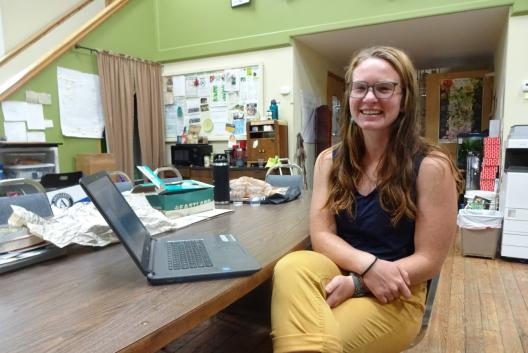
481	306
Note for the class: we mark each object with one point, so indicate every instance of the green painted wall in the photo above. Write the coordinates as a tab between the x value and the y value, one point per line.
130	31
188	29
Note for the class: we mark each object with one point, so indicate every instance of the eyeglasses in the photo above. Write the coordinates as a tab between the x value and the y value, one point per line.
382	90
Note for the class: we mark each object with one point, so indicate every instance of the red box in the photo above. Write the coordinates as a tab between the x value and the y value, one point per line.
490	162
491	141
487	184
491	151
488	172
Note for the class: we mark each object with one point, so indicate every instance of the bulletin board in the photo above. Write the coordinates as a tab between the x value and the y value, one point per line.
218	102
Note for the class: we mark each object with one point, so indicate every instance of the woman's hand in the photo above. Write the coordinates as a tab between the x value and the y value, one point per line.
387	281
339	289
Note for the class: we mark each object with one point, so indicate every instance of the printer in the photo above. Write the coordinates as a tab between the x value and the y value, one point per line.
514	194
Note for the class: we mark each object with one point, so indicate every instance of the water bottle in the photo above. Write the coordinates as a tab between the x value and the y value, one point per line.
221	181
274	109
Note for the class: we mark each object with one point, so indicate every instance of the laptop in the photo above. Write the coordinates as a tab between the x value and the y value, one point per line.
165	258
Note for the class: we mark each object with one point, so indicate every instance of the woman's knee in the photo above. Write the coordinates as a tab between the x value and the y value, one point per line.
302	263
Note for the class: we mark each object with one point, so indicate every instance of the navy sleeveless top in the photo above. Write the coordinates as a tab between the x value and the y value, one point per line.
370	229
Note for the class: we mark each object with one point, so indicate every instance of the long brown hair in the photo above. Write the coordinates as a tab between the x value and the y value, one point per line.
396	172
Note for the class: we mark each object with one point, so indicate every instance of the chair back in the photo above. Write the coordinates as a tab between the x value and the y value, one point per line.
54	181
37	203
20	186
121	180
295	176
173	171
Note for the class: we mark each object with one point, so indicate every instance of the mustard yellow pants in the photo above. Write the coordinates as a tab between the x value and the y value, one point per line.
302	321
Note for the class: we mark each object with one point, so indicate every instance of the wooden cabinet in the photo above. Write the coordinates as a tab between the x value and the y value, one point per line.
205	174
265	139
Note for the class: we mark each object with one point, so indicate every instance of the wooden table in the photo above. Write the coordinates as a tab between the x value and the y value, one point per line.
98	300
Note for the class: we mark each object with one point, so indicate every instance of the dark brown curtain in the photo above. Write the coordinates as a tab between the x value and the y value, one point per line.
121	78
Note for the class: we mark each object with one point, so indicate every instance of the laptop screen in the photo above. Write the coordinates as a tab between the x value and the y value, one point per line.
117	213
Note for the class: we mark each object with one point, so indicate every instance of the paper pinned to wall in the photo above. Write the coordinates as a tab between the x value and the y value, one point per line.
215	98
38	97
14	110
23	111
36	136
178	86
15	131
81	111
35	117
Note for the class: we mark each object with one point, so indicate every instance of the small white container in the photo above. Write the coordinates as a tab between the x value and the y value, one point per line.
28	171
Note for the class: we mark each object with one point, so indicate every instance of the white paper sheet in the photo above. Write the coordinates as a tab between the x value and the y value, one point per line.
204	88
14	111
36	136
219	118
178	86
191	88
232	80
15	131
81	111
35	118
38	97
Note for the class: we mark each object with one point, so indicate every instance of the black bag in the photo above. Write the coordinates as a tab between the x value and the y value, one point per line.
292	193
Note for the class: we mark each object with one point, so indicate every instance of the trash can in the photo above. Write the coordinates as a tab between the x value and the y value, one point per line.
481	231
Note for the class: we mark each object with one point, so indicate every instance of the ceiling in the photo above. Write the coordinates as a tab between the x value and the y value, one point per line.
462	40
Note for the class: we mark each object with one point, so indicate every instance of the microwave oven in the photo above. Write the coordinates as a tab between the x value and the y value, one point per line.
190	153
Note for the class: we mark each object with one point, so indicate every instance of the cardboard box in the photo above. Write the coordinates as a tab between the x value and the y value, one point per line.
90	163
480	242
193	197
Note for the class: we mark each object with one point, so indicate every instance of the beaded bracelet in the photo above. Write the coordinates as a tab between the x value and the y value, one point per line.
369	267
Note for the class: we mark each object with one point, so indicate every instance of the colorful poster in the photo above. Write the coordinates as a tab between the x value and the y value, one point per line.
460	107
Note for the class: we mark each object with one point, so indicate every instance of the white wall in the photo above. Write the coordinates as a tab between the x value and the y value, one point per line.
277	72
516	71
310	76
22	18
2	46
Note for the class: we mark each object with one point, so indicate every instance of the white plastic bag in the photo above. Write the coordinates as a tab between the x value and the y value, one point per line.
479	219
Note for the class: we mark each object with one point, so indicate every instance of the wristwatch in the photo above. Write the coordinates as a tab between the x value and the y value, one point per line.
359	291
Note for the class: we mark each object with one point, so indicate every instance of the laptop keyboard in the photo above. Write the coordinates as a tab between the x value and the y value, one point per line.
185	254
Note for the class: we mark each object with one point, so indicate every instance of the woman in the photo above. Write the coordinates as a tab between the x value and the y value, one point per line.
382	219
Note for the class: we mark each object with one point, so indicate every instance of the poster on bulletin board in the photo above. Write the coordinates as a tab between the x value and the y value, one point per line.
217	103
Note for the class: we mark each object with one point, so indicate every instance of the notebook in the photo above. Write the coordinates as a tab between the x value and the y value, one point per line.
174	187
225	256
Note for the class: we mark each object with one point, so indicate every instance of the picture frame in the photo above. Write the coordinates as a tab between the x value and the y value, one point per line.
235	3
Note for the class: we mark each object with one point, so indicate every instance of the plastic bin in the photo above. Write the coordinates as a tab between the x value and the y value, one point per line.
480	232
28	171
